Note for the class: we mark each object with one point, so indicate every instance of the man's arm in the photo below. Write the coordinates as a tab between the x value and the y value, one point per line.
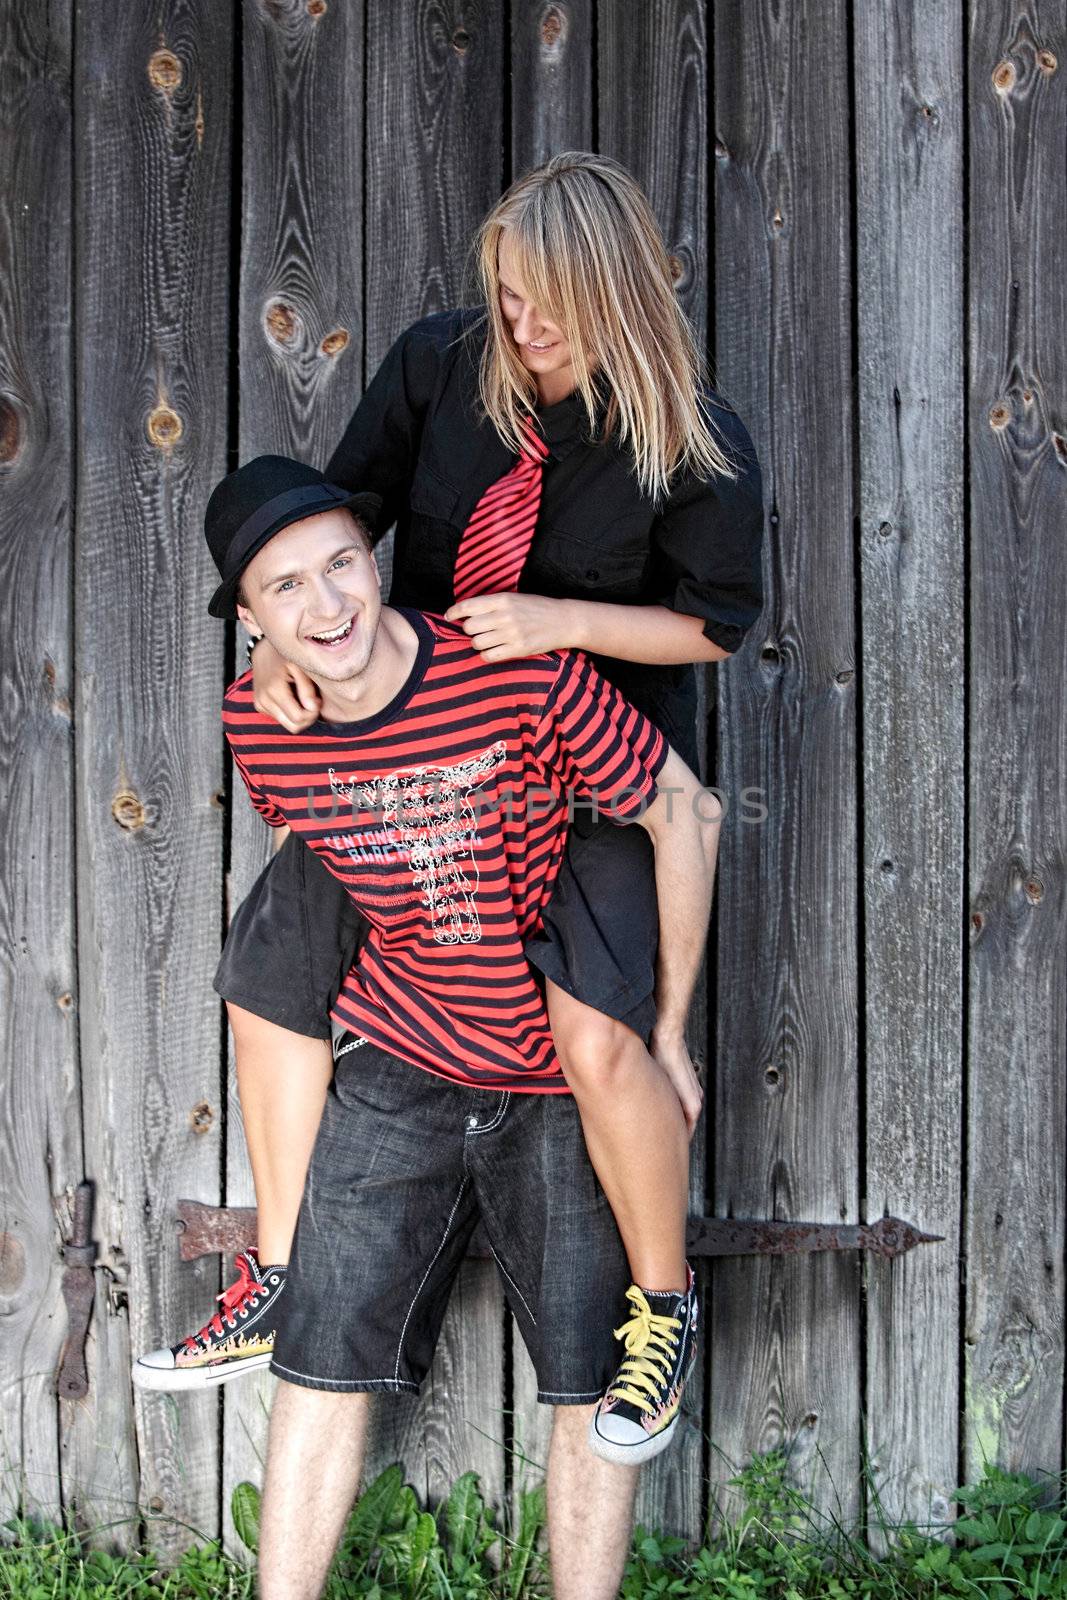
683	822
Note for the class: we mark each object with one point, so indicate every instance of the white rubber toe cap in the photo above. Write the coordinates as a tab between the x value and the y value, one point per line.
615	1438
158	1360
614	1429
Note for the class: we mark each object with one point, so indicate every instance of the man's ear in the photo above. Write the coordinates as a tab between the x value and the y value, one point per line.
251	625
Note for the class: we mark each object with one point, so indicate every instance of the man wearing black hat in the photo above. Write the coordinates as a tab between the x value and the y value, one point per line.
434	786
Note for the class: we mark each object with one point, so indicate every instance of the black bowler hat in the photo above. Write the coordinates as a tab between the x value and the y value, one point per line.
251	505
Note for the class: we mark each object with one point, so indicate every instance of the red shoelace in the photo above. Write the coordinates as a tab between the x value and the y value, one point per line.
238	1297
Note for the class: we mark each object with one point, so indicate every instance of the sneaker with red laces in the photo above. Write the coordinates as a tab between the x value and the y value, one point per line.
237	1339
639	1413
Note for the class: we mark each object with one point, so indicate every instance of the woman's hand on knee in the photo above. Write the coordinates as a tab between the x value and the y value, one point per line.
674	1058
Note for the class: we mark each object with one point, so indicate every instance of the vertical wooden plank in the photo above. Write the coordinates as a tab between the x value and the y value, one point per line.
909	267
40	1134
153	118
552	109
551	80
1017	777
652	92
433	165
785	1332
301	367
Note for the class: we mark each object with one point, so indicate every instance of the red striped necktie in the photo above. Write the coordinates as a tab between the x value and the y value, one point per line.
497	538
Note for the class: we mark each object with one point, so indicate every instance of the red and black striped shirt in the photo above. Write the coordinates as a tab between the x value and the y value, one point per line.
445	817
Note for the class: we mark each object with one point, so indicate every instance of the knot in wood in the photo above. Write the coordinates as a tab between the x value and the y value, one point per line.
1004	76
334	342
164	71
164	427
282	322
722	150
128	811
677	268
12	1263
1046	61
316	8
1059	444
65	1002
461	41
777	221
1000	416
201	1117
551	28
10	430
1035	890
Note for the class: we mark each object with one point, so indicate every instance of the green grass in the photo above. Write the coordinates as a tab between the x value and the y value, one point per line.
1009	1543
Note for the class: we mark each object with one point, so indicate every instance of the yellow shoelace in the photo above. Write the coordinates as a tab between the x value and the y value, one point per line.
649	1341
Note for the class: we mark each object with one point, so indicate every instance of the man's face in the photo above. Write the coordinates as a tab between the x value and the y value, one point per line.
314	593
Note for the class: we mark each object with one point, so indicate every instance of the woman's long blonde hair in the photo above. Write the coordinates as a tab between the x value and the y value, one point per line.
593	259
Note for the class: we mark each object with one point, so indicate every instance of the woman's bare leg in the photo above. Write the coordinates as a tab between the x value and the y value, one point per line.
282	1078
635	1132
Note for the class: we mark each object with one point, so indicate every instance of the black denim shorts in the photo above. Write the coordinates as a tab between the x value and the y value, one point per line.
404	1166
294	937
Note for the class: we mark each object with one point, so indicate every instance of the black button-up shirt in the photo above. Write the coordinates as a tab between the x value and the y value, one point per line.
417	439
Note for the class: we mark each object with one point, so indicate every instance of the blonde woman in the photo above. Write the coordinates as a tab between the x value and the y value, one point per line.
561	476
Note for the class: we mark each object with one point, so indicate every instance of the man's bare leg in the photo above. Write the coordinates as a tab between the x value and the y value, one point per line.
282	1078
590	1511
314	1460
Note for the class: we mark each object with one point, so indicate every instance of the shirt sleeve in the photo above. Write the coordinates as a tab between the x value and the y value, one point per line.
594	742
265	806
379	448
707	542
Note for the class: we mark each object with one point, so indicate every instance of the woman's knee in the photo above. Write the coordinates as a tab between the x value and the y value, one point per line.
256	1038
593	1048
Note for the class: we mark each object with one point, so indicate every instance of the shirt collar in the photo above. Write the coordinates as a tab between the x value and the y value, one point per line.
565	425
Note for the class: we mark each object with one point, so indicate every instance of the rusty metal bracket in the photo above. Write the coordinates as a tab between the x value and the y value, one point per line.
727	1236
79	1253
207	1230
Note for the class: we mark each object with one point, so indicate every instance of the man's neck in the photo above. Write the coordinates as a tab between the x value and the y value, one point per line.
392	657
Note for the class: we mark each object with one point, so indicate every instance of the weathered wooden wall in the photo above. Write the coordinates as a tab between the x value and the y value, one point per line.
213	222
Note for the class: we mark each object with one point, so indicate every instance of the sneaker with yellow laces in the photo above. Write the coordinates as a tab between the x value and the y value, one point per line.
639	1413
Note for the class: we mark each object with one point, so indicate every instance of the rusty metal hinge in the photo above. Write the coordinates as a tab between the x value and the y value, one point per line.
79	1253
206	1230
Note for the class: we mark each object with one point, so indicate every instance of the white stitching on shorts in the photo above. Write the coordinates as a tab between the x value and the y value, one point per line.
515	1286
426	1274
498	1114
561	1394
353	1044
341	1383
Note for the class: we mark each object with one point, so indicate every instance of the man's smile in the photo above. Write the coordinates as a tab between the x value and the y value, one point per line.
333	637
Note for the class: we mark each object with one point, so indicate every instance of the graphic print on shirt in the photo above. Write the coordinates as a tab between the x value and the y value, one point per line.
429	817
